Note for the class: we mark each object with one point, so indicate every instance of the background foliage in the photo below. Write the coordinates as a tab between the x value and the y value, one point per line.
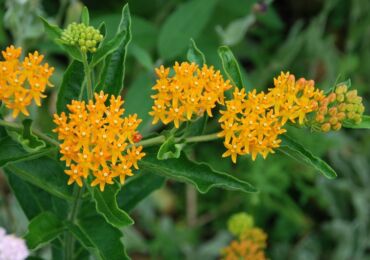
305	215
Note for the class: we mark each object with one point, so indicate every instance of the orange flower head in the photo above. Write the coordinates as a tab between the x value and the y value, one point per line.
190	91
23	81
96	139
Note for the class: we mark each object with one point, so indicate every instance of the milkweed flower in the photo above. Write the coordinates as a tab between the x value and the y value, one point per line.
190	91
12	247
252	122
23	81
98	140
83	36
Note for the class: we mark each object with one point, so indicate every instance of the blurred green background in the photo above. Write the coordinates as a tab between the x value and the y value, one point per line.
305	215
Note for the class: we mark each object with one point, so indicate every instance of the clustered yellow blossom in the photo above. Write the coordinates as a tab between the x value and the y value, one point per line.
252	122
98	140
23	81
250	243
190	91
337	107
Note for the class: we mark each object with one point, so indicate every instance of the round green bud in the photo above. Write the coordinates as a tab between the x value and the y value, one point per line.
340	97
341	89
239	223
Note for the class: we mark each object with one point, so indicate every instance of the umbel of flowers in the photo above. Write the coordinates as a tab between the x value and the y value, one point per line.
23	81
252	122
98	141
191	91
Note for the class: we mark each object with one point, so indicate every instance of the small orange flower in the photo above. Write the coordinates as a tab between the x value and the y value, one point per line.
190	91
22	82
95	139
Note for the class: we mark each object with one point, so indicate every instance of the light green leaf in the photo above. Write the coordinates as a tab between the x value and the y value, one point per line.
295	150
113	74
106	205
365	123
169	149
85	17
202	176
195	55
44	173
188	21
71	86
137	188
43	229
52	31
236	30
142	56
230	66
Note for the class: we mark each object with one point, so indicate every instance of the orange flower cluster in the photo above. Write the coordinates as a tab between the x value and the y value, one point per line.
250	245
252	122
190	91
22	81
97	139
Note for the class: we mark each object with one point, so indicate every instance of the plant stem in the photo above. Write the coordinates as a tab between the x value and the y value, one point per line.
202	138
69	240
90	91
34	131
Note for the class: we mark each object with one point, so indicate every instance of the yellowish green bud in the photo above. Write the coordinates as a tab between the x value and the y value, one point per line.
239	223
326	127
337	126
340	97
341	89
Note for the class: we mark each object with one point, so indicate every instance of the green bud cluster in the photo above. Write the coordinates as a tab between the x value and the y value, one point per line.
83	36
337	107
240	223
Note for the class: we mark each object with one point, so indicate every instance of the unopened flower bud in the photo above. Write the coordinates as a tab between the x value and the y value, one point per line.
341	89
340	97
342	107
341	116
332	97
333	111
333	120
325	127
351	115
351	94
337	126
320	118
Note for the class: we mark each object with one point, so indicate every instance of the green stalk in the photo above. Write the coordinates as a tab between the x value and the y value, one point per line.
90	91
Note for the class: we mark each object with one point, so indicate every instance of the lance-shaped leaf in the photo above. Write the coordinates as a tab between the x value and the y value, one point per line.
106	205
297	151
170	149
71	85
44	173
85	17
202	176
43	229
195	55
365	123
137	188
111	80
230	66
98	237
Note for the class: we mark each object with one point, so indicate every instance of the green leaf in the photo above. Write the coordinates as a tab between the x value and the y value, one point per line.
44	173
365	123
12	151
98	237
71	86
236	30
188	21
200	174
230	66
106	205
43	229
142	56
54	33
197	126
195	55
107	48
113	74
30	142
137	188
295	150
169	149
85	17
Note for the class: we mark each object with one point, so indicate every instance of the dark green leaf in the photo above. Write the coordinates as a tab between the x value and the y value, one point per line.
44	173
85	17
30	142
295	150
197	126
137	188
195	55
43	229
99	237
113	74
186	22
142	56
107	48
365	123
201	175
12	151
52	31
230	66
169	149
71	85
106	205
